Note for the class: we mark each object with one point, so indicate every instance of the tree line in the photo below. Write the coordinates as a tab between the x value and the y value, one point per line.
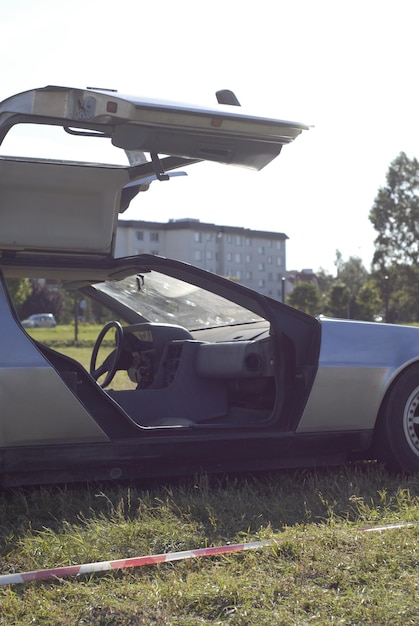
352	293
388	291
39	296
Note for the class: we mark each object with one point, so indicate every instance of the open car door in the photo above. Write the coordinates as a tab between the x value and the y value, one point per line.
79	201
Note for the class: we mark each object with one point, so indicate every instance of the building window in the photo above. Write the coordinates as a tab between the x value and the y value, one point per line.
238	240
248	258
279	245
238	274
249	275
154	236
197	255
238	257
261	250
269	260
261	267
279	261
261	282
248	241
209	255
270	276
229	256
198	237
210	236
155	252
269	243
229	239
139	235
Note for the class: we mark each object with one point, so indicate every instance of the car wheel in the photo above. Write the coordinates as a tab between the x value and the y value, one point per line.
398	427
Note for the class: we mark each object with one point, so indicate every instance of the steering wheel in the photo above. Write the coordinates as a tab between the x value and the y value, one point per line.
110	363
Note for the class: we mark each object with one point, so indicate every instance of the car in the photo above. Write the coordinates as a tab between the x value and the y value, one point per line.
216	377
40	320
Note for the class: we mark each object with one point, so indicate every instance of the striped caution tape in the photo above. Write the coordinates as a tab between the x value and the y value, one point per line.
103	566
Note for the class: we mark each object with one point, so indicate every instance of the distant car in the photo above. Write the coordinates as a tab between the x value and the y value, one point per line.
40	320
222	378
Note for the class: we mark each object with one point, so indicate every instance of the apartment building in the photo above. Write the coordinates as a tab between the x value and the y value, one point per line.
253	258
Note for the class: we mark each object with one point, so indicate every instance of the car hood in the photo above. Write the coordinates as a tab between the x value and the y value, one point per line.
61	208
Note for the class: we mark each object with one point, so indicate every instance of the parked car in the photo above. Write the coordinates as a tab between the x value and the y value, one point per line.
222	378
40	320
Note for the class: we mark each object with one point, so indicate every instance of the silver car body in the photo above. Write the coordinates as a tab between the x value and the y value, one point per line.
358	362
224	378
36	405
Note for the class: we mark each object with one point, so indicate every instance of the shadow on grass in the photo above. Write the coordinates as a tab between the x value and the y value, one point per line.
221	507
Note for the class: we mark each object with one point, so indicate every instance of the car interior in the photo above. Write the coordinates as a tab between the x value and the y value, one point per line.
180	380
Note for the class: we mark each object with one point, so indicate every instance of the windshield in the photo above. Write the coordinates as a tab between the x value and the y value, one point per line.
163	299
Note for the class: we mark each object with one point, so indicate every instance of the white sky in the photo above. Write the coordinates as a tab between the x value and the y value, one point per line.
349	68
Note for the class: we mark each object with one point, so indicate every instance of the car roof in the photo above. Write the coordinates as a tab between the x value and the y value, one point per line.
54	206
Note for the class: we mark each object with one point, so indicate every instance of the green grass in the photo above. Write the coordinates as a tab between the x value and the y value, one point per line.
64	335
324	570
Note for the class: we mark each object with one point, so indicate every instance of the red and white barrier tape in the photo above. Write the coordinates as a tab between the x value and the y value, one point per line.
102	566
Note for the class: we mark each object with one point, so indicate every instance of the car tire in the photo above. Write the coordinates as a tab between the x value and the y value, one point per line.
397	440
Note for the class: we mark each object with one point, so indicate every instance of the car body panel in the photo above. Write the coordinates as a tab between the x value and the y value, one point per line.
224	134
36	405
358	363
55	415
77	212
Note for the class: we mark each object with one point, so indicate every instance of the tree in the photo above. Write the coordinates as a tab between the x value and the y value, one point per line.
369	303
325	280
42	299
338	261
353	274
306	297
339	300
19	290
395	215
399	288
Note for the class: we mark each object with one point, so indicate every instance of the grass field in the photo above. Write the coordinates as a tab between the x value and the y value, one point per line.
64	335
324	570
